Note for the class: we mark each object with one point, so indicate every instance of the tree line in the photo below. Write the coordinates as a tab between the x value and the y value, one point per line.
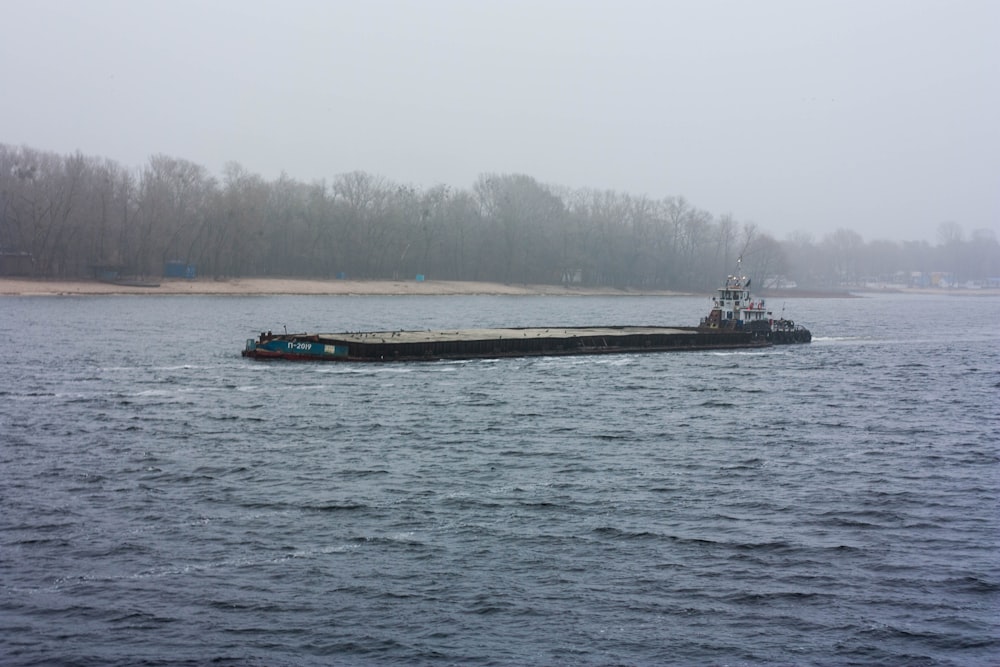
66	216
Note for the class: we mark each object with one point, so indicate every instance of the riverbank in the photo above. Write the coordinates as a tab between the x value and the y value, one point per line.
295	286
291	286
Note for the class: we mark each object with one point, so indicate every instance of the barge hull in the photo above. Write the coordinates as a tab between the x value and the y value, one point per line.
494	343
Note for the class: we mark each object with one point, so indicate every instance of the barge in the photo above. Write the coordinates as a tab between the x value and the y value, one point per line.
491	343
736	321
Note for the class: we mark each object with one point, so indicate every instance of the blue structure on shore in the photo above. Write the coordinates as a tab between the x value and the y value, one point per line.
179	269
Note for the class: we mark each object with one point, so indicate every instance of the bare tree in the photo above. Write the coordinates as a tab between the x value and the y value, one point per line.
843	250
73	213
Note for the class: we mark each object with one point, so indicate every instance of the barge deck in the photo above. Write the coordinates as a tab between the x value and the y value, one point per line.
492	343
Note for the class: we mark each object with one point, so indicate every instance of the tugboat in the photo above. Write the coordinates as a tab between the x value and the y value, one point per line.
733	309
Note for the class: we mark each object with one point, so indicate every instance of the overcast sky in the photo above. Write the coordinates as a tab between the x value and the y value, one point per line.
881	116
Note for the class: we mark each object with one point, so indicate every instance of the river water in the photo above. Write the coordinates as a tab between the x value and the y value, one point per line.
166	502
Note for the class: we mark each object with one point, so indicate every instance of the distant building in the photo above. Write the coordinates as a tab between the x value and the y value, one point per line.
16	263
108	272
779	282
572	277
942	279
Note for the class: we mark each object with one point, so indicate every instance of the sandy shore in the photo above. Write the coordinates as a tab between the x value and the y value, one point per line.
264	286
293	286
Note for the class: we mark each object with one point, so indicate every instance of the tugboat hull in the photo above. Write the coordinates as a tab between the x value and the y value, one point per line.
792	337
